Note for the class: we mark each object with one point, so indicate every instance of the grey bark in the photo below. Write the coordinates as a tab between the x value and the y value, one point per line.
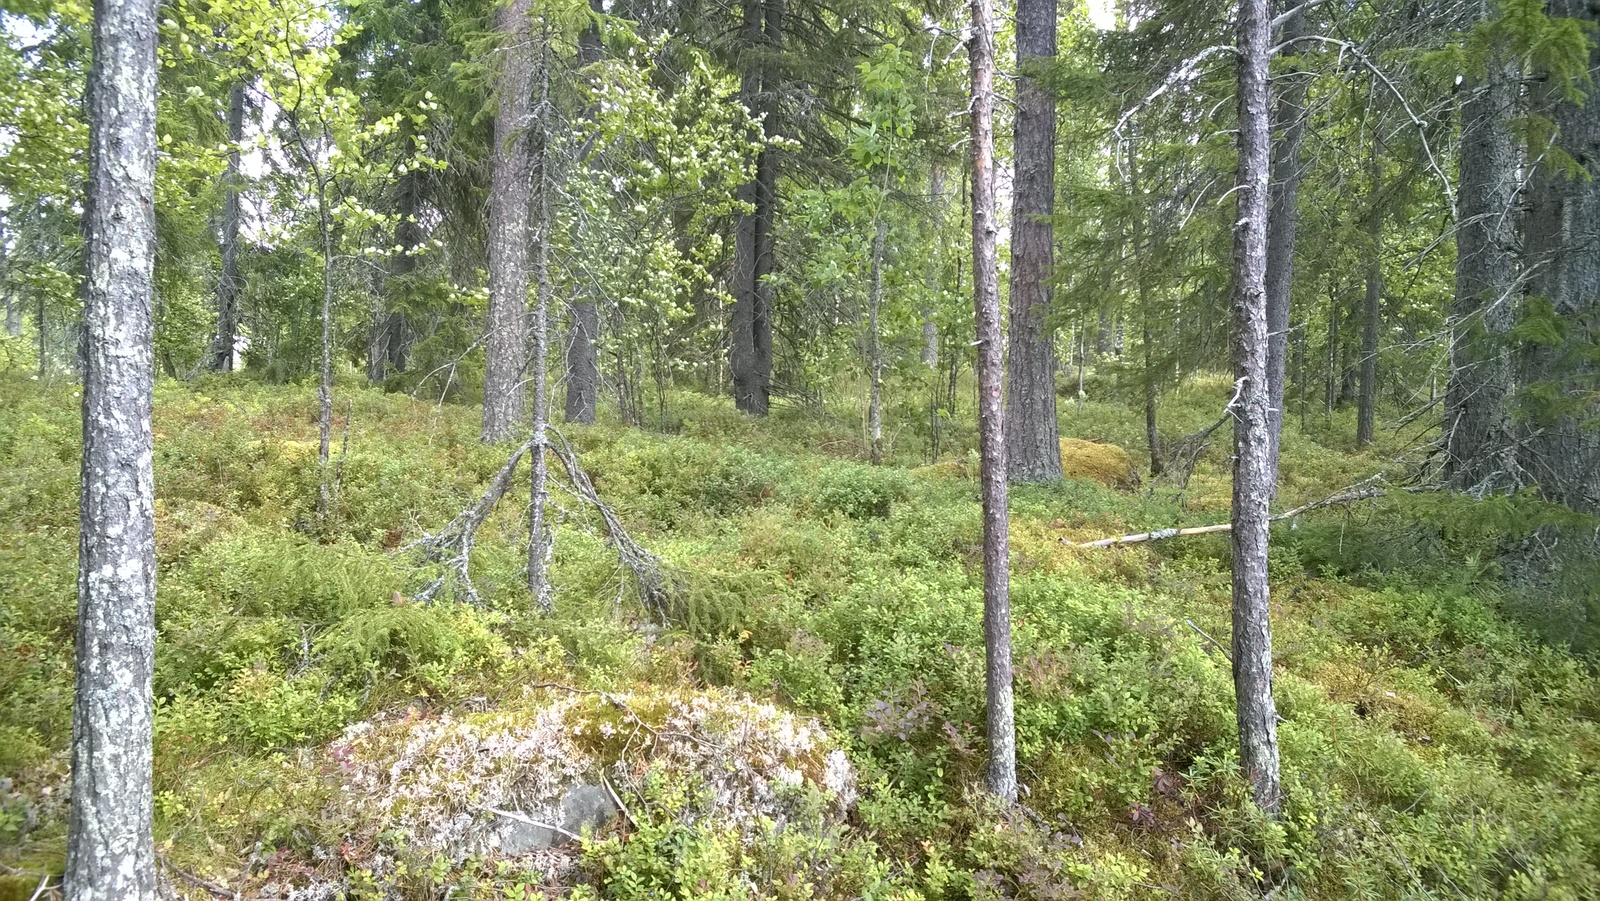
1480	437
583	323
229	282
1561	451
750	349
510	197
1002	776
1141	277
1371	320
1033	452
540	540
110	853
1289	124
325	381
1252	472
874	346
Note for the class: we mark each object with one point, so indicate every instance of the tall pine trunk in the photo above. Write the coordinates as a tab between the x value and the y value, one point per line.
110	853
1002	777
1252	470
1289	124
228	281
510	195
1033	440
1480	439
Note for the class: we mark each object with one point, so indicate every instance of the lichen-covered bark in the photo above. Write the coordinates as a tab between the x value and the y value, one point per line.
510	195
109	850
1252	471
540	539
1002	777
1033	452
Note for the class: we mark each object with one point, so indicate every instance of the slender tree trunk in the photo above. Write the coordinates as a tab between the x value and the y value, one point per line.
391	328
583	324
1371	313
13	309
1252	470
1033	439
930	325
991	416
750	352
1142	279
540	540
228	281
510	196
110	853
874	347
1480	438
1289	124
1561	451
325	382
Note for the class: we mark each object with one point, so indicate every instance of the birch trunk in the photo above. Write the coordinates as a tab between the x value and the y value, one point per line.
228	281
1252	472
874	348
1002	777
110	853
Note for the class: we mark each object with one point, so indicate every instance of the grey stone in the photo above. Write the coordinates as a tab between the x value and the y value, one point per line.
583	806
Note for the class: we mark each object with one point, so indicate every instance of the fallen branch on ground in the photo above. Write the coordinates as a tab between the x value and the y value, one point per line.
1349	495
453	545
658	589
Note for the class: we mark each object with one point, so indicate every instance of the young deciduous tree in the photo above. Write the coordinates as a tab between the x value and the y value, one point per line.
110	853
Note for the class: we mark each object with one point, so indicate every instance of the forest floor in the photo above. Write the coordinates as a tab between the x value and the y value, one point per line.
1438	737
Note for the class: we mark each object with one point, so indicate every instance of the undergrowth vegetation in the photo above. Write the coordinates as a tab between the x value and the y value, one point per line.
1438	735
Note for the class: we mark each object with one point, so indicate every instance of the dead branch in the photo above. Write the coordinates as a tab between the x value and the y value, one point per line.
452	546
658	588
1180	459
1360	492
221	891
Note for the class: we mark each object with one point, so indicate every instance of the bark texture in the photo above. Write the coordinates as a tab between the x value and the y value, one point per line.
583	321
510	196
110	854
540	539
1252	471
1033	438
229	284
1002	777
1560	372
750	351
1289	124
1479	435
1371	322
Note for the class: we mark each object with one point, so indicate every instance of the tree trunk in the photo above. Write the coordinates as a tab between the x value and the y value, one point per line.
540	543
228	281
110	853
1480	438
1142	280
391	329
583	324
1371	312
1252	470
510	196
750	351
1562	448
874	346
1002	777
1033	452
1289	123
930	325
325	381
